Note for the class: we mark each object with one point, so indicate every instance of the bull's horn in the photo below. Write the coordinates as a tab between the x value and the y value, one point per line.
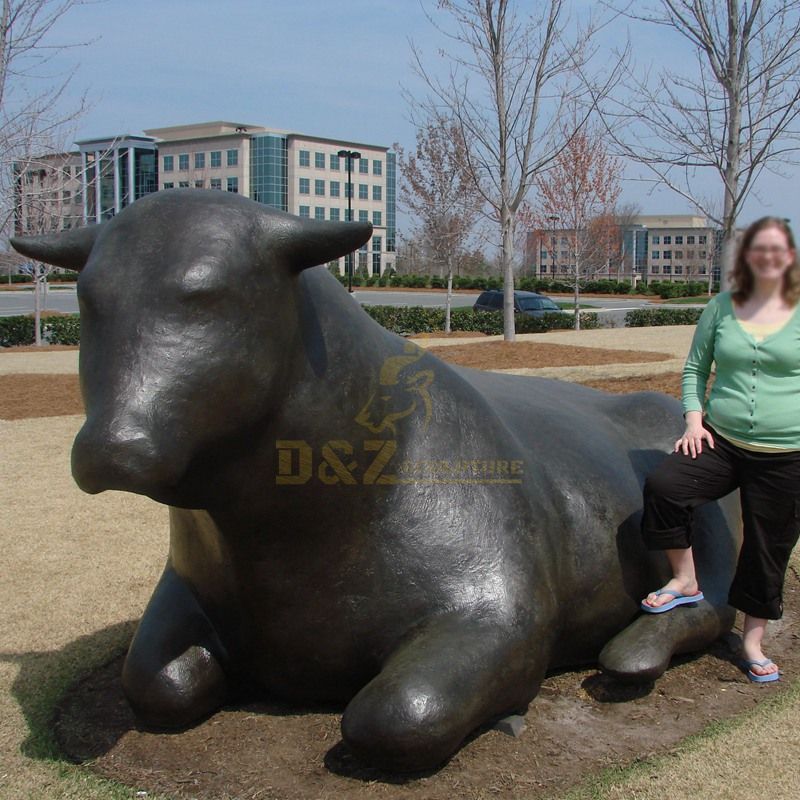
69	249
308	242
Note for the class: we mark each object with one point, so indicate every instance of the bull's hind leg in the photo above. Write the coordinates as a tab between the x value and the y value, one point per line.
442	682
172	674
642	652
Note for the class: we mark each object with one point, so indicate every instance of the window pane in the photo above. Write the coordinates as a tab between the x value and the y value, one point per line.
363	166
334	215
319	160
305	211
216	158
169	163
233	158
377	167
319	188
334	161
183	161
334	188
233	184
376	192
376	218
305	186
199	160
363	191
305	158
319	213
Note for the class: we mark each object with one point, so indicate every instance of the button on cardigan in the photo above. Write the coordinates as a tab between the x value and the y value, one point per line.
756	393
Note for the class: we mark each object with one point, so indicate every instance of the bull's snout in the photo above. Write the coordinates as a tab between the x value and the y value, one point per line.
123	458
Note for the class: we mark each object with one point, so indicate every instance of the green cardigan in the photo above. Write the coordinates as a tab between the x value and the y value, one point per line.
756	392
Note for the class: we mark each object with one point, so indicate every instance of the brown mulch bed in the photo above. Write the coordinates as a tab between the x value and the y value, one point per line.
665	382
27	396
517	355
580	724
451	335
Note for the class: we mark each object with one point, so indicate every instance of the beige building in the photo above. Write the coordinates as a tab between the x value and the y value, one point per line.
679	247
48	194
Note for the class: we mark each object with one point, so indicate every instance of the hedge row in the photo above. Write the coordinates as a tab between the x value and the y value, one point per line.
665	289
56	277
649	317
416	319
55	330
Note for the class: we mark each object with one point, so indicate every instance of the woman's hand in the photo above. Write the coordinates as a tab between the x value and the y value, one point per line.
691	443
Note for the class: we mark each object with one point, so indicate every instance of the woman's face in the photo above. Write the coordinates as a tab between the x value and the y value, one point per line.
769	255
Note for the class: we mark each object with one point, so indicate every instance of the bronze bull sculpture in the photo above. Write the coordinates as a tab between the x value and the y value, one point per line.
353	520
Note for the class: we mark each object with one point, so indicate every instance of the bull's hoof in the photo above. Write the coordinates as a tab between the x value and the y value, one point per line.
413	731
642	652
180	694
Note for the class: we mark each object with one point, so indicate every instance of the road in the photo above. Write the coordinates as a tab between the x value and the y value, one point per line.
64	298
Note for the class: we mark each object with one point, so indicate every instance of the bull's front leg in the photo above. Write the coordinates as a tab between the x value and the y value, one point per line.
445	680
172	675
642	652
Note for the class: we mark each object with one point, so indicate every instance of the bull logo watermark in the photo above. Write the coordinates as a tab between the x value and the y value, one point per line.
402	392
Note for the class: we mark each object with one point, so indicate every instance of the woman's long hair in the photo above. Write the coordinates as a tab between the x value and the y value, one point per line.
742	276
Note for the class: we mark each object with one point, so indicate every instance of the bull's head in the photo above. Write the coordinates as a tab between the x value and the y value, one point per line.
188	306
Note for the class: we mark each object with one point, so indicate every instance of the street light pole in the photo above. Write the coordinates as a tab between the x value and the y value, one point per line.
349	155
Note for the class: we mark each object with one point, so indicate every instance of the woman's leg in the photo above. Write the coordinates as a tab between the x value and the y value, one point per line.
672	491
752	635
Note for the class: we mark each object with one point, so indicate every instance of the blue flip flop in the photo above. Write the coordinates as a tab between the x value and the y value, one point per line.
678	600
756	678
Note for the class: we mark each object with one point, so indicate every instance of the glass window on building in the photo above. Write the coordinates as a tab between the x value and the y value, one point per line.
678	253
66	196
199	184
363	215
319	212
679	269
183	184
667	240
363	191
169	163
216	183
701	240
667	269
334	162
377	193
377	167
348	190
690	240
348	215
183	161
668	255
199	160
305	186
334	188
656	240
233	158
656	253
216	159
233	184
363	166
169	185
655	269
319	160
376	255
305	211
376	218
333	215
304	158
679	240
319	188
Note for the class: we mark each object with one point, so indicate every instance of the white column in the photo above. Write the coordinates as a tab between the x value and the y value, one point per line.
98	211
117	182
131	175
85	187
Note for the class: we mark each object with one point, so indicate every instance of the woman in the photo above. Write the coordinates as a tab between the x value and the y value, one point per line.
748	439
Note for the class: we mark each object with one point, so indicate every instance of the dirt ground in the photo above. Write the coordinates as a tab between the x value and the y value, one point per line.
578	725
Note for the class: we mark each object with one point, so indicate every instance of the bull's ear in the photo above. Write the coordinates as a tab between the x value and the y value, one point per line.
308	242
69	249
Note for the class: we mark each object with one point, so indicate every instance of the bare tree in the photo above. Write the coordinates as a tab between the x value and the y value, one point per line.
437	188
509	78
580	190
31	119
733	114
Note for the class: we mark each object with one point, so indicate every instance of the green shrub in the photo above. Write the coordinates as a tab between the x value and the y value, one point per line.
648	317
15	331
417	319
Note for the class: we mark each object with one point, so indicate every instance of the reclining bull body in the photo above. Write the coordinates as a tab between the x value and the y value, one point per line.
353	520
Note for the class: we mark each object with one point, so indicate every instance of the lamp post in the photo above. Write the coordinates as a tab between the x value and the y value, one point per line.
553	219
349	155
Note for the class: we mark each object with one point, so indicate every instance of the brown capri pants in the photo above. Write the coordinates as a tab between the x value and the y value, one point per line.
769	488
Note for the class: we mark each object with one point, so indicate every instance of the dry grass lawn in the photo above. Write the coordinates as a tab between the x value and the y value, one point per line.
77	571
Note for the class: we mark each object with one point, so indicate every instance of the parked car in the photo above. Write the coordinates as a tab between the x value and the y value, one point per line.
530	303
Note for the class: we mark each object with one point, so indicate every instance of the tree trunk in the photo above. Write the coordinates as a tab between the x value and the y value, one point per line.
37	304
577	304
449	300
507	266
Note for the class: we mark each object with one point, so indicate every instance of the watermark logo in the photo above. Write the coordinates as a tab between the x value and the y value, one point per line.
402	395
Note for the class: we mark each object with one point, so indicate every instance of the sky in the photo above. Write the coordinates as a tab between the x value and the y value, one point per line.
334	69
